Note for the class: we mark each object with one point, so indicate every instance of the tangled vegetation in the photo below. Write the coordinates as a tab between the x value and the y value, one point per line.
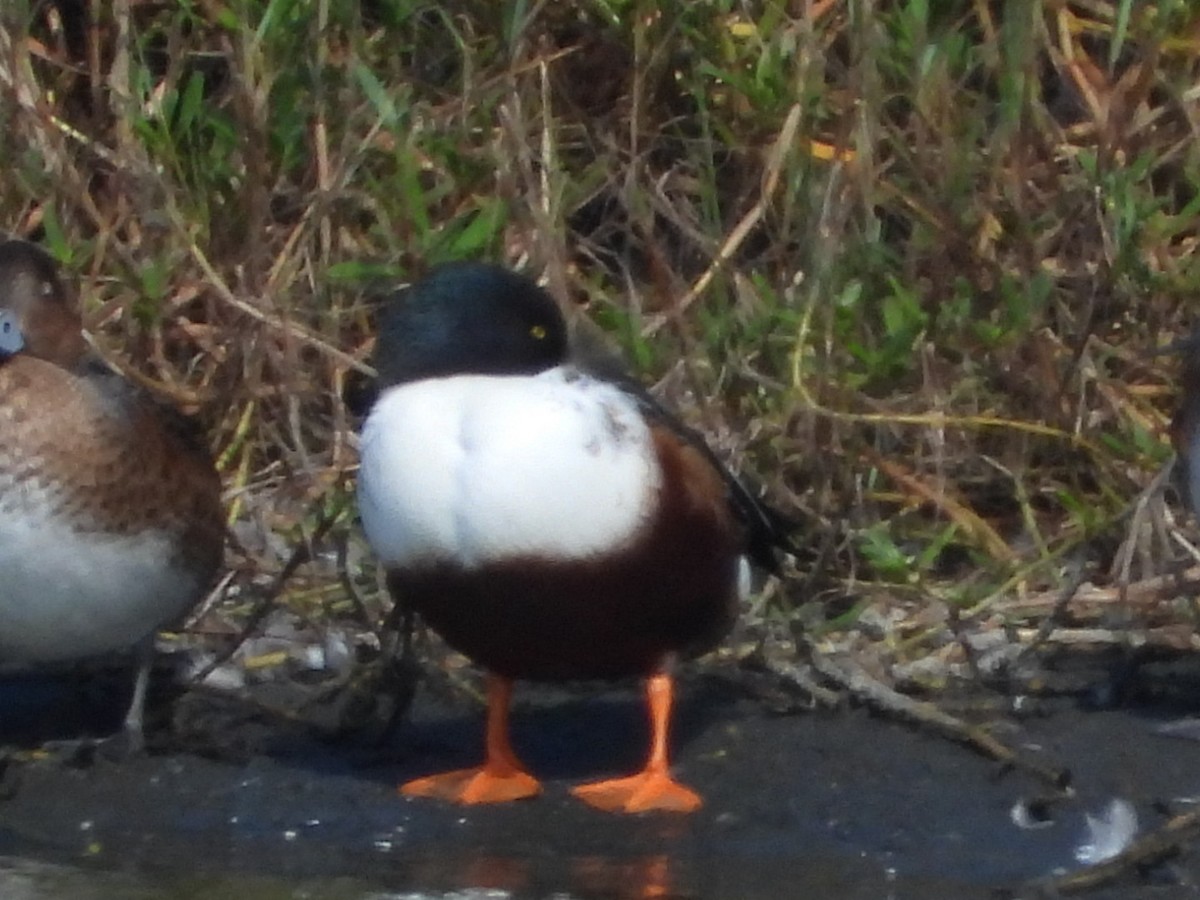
906	263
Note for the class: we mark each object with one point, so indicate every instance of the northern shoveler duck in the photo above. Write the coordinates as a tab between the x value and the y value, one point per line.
545	515
110	514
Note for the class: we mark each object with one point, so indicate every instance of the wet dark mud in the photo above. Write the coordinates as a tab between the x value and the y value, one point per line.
842	804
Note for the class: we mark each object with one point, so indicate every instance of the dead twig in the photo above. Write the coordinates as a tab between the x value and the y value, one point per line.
859	683
301	554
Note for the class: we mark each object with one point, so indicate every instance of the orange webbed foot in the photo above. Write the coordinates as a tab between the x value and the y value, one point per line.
482	784
649	791
500	779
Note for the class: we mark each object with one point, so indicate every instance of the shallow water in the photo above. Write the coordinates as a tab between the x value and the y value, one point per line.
841	805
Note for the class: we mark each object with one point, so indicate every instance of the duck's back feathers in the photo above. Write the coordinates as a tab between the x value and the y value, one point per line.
767	531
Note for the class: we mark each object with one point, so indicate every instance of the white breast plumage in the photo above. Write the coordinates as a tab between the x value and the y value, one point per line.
473	469
69	593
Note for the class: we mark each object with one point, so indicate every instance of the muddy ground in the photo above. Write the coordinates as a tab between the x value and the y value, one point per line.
840	804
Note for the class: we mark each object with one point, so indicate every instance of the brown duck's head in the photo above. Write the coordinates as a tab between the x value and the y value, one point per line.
37	315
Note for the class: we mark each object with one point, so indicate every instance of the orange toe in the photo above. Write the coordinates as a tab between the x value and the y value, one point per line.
478	785
644	792
500	779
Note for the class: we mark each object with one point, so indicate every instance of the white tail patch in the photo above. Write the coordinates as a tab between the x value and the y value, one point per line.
473	469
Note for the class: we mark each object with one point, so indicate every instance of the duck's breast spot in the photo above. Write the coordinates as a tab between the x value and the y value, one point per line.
476	469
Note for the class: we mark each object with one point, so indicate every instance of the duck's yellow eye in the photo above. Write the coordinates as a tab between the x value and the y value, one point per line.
538	332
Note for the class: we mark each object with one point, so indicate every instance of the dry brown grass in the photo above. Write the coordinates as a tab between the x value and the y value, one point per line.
906	267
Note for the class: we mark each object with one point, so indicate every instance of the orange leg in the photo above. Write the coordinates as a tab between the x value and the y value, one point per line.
501	778
652	788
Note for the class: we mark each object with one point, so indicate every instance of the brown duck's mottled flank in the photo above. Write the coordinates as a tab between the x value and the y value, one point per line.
136	475
98	452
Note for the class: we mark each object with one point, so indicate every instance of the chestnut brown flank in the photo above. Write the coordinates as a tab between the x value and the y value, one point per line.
673	589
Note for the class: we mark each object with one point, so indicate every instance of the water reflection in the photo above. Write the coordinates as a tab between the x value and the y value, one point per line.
650	878
653	877
541	875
